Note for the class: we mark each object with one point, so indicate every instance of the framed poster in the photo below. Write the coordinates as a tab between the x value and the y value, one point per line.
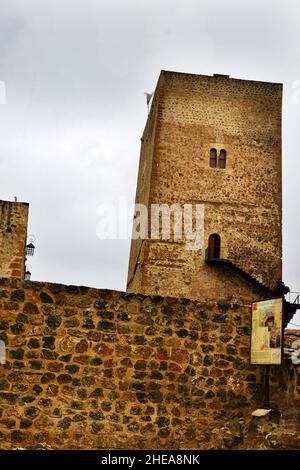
267	332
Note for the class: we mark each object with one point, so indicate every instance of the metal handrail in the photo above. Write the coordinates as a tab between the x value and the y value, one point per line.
294	297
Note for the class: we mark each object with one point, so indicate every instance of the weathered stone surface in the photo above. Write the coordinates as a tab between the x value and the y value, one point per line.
13	233
33	343
183	122
46	298
30	308
49	342
18	295
53	321
129	384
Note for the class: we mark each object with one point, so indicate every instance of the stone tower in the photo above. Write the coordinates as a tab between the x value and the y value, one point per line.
216	141
13	234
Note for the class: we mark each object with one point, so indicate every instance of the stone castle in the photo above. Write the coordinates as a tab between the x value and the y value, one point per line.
166	364
214	141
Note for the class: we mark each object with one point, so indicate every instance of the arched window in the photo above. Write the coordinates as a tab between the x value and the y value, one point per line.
214	246
222	159
213	158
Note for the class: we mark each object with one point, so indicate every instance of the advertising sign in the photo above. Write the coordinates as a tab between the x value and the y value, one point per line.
267	332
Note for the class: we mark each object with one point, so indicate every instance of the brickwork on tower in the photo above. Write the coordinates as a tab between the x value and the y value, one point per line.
190	115
13	234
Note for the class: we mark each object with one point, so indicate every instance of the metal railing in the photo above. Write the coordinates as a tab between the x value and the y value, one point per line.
294	297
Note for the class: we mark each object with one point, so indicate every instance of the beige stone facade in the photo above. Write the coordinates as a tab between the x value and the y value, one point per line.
99	369
13	234
190	115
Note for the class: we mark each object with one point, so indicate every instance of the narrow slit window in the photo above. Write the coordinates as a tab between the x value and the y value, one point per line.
222	159
213	158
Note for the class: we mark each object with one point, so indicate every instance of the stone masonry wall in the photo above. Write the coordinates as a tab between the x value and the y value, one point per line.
285	383
13	233
91	368
288	376
242	202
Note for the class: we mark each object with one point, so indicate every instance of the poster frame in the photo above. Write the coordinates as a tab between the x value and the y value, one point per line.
282	331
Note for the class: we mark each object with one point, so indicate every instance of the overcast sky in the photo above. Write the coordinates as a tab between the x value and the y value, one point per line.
75	74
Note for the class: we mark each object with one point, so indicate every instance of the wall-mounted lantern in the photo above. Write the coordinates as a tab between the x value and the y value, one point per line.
30	249
27	275
30	246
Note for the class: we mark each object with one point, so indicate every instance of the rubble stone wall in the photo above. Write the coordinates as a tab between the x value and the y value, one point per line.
91	368
88	368
13	233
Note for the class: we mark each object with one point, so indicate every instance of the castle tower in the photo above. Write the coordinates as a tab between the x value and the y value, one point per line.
215	141
13	234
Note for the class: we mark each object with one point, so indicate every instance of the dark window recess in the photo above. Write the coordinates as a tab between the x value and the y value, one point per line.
222	159
213	158
214	246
